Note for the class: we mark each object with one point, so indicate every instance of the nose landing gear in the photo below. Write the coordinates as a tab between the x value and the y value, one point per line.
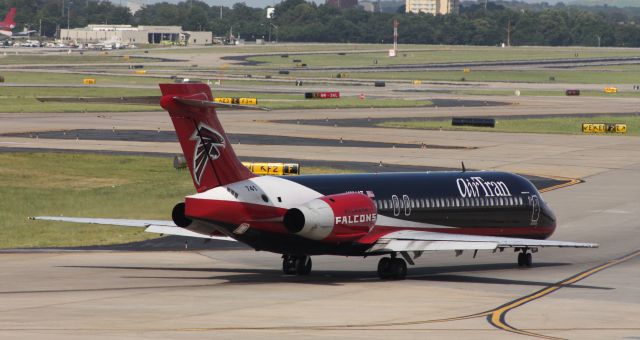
296	265
392	268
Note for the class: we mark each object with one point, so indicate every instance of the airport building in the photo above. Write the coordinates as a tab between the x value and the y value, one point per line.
432	6
127	34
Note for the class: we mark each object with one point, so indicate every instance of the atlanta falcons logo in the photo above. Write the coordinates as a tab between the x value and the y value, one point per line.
209	145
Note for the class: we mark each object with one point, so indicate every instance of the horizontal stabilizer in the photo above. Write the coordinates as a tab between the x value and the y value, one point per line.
151	226
217	105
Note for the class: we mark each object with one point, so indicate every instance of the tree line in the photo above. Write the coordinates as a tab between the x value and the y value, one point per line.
300	21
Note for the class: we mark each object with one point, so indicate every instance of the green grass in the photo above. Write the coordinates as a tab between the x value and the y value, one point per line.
23	99
87	185
51	78
11	58
528	76
443	54
560	125
525	93
275	48
347	102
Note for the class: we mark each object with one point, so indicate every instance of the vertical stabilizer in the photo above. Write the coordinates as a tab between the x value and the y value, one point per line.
8	22
205	145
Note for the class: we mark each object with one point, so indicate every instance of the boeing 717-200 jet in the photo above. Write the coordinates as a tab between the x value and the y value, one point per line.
398	216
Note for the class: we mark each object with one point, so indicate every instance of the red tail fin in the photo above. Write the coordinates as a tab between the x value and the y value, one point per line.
8	22
205	145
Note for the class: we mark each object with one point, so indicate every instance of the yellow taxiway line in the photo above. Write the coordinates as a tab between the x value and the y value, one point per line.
497	316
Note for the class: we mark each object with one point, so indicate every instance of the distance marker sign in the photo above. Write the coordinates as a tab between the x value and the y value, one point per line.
240	101
604	128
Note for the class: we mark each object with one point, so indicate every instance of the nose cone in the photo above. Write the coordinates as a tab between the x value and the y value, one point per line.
548	219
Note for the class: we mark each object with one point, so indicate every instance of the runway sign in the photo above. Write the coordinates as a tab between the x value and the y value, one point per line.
322	95
241	101
276	169
610	90
89	81
604	128
572	92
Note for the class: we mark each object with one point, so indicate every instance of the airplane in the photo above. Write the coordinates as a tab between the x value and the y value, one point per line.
398	216
25	33
7	25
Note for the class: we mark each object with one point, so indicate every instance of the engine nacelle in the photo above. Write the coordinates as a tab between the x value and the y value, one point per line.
334	218
178	216
181	220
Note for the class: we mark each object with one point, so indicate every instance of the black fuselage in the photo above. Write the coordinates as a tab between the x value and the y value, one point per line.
475	203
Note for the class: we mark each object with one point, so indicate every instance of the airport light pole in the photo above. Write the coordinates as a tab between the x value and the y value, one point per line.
276	27
68	15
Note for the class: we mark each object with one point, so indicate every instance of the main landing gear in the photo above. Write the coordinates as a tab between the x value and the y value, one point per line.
525	259
296	265
392	268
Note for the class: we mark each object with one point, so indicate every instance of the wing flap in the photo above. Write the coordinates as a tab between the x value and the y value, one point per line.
417	245
412	240
177	231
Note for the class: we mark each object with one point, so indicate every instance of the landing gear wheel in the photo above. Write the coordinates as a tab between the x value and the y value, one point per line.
528	260
288	265
521	260
392	268
384	268
296	265
303	265
398	269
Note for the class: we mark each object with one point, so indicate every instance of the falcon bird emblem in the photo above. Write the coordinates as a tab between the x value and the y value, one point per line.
209	145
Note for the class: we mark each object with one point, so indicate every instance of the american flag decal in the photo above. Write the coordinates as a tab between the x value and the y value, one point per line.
209	145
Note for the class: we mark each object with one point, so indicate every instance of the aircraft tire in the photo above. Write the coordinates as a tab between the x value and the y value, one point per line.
303	265
384	268
398	269
521	260
528	260
288	265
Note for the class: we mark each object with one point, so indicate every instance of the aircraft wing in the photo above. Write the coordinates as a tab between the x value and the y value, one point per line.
412	240
151	226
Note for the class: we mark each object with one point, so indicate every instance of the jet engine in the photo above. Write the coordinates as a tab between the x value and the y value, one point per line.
334	218
181	220
178	216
